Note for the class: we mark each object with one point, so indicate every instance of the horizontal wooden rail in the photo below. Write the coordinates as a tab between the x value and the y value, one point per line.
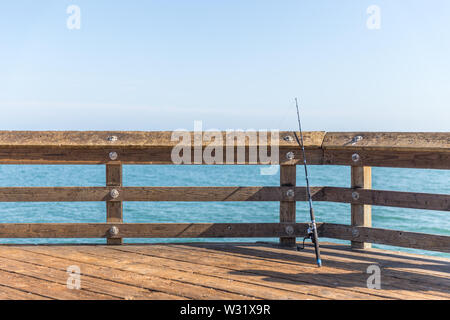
224	230
129	155
69	194
384	236
413	200
386	149
331	194
152	230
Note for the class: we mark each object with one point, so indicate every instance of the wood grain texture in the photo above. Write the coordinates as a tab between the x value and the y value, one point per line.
394	159
151	230
391	149
134	155
384	236
288	178
114	209
413	200
217	271
388	141
68	194
361	214
139	139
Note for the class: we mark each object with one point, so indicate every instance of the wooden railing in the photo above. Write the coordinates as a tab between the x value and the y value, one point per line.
360	150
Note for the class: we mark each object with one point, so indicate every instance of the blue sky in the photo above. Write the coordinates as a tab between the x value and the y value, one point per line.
160	65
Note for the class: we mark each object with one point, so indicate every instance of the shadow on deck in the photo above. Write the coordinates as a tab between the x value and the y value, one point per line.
216	271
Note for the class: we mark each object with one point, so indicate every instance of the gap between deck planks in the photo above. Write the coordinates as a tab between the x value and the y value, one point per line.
218	271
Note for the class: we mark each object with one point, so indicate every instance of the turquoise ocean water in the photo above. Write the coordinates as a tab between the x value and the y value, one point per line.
426	221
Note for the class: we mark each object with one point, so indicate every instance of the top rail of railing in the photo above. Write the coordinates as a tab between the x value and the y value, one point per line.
386	149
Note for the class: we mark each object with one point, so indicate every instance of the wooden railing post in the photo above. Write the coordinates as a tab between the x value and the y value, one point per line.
114	208
361	214
287	208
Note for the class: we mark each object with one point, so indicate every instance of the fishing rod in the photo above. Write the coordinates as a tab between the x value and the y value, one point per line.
312	229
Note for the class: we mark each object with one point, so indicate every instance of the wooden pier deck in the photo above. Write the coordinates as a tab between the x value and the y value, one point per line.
217	271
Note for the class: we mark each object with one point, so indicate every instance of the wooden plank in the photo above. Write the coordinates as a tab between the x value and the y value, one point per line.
142	139
394	159
92	284
141	265
152	230
341	264
414	200
134	155
92	147
114	209
194	284
287	208
388	141
154	260
245	269
7	293
160	287
222	268
361	214
53	194
283	266
415	150
384	236
426	272
47	289
72	155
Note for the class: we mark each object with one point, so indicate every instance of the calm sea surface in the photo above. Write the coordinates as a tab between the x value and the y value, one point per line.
426	221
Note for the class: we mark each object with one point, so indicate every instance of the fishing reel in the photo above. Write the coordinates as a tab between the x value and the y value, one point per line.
310	235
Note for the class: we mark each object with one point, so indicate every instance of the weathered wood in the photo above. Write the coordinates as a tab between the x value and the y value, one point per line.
114	209
361	214
216	271
47	289
288	178
133	155
292	265
55	194
152	230
142	139
155	155
22	266
388	141
414	200
415	150
394	159
92	147
384	236
388	149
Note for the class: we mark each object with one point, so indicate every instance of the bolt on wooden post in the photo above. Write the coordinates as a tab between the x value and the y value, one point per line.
361	214
114	209
287	208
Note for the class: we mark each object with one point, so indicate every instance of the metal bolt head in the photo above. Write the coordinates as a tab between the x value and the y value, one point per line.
355	195
290	193
112	138
114	193
290	155
356	157
356	139
289	230
288	138
113	155
113	231
355	232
